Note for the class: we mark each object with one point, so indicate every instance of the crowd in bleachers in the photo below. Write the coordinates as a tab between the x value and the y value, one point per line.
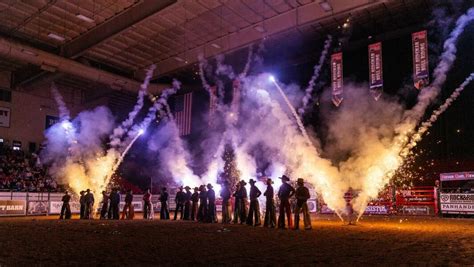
23	172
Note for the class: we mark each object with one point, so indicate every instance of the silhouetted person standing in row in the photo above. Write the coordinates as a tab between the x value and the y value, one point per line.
82	202
226	205
89	199
65	208
164	212
195	204
285	192
147	204
243	202
105	205
202	212
114	208
270	213
128	210
302	195
254	210
237	205
187	203
179	199
211	198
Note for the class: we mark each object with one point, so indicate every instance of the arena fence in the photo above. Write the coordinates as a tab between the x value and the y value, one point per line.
423	201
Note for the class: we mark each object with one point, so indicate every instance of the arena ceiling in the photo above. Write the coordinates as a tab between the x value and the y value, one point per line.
122	37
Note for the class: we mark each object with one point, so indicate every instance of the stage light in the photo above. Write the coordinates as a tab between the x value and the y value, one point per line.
141	131
271	78
325	5
55	36
84	18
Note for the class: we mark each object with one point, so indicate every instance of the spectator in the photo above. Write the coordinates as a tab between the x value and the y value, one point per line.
20	172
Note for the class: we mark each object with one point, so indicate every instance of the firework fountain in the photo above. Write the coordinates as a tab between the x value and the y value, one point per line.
392	154
74	148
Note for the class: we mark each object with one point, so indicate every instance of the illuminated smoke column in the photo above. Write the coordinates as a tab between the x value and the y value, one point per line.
269	128
223	69
427	124
389	157
174	158
202	75
314	78
246	69
292	109
64	113
127	123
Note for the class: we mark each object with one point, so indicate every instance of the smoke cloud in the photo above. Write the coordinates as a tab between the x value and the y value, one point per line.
317	70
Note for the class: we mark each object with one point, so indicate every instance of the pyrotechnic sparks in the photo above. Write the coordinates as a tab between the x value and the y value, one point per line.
391	155
292	109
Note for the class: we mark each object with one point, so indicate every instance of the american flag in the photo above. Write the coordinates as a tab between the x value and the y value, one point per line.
182	113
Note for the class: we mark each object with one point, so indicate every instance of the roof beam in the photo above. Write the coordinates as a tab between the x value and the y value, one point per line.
98	34
54	63
114	26
296	17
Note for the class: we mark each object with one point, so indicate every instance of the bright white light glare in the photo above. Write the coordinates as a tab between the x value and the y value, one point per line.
66	125
141	131
271	78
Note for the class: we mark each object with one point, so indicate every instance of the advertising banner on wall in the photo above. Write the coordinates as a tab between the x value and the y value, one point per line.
55	207
457	203
4	117
12	207
420	59
456	176
38	207
50	121
377	210
371	209
337	78
375	70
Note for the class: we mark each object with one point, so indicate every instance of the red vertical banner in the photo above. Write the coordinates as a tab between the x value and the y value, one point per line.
419	41
337	78
375	70
212	103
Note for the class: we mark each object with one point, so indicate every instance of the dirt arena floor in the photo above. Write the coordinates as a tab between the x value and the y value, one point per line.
374	241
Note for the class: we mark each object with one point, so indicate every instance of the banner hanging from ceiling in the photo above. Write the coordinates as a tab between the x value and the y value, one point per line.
420	59
375	70
336	78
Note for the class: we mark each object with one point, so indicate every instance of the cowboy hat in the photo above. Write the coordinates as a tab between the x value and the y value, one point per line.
284	178
300	181
242	182
252	181
269	180
187	187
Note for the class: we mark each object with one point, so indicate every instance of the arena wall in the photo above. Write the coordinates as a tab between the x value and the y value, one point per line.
25	115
